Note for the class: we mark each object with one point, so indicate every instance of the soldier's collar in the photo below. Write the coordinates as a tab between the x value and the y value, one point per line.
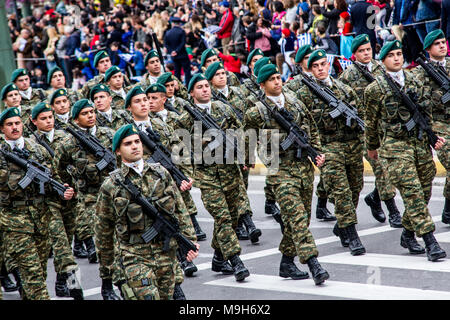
442	63
27	94
19	143
63	117
225	91
137	166
369	65
205	106
278	100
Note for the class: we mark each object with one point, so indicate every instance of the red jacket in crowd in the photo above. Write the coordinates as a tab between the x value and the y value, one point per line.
226	24
231	62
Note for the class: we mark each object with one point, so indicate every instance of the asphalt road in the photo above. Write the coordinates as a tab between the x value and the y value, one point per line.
386	271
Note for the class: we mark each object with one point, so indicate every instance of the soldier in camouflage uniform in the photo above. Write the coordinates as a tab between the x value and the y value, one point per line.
301	59
106	116
221	184
435	45
342	145
173	103
210	56
56	80
114	78
30	96
292	179
62	219
148	270
407	158
25	214
87	179
354	77
11	98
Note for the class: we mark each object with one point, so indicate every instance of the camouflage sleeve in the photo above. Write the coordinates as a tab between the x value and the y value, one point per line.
356	102
345	77
252	121
314	136
234	122
62	160
305	96
372	98
184	121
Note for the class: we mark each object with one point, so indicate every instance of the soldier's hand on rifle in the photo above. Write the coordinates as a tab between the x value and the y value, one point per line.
373	154
68	194
192	254
440	143
320	160
186	185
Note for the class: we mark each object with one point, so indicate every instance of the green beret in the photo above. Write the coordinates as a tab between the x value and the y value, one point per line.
259	64
212	69
388	47
9	87
99	56
151	54
123	132
256	52
40	107
156	87
207	54
431	37
80	105
165	77
18	73
359	41
316	55
9	113
98	88
302	52
133	92
110	72
266	71
51	72
58	93
196	78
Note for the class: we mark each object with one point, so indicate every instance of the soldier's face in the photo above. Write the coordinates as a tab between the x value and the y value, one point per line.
86	118
139	107
438	49
12	128
364	53
394	60
13	99
220	79
130	149
170	89
273	86
44	121
320	69
23	82
104	64
116	81
156	101
61	105
58	80
154	66
201	92
211	60
102	101
254	59
305	62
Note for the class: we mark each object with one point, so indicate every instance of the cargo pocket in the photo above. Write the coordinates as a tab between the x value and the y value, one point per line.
135	218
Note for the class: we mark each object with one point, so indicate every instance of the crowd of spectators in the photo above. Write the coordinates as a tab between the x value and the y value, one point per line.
68	33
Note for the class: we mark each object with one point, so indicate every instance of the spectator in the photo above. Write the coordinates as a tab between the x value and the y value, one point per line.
360	15
127	34
291	11
427	10
283	66
138	59
231	62
226	25
23	46
38	79
50	50
332	12
445	17
113	34
263	42
287	44
323	40
263	12
277	17
318	16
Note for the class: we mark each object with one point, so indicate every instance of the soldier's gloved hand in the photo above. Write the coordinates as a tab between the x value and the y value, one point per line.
185	185
68	194
320	160
440	143
373	154
193	254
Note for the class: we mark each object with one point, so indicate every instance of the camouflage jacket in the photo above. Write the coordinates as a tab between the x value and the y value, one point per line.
177	104
236	99
181	92
252	84
295	84
84	92
58	137
73	95
116	119
121	218
37	95
355	79
330	129
232	79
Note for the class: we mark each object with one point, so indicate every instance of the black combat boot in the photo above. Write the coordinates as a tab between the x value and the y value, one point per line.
318	273
342	234
240	271
408	241
322	213
277	217
241	233
374	202
188	267
354	244
288	269
178	293
90	248
446	212
108	291
219	264
395	219
78	249
6	282
74	284
271	207
61	288
15	272
434	251
253	232
198	231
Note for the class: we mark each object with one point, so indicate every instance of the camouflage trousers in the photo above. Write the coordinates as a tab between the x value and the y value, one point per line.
443	130
320	190
30	252
269	193
149	271
343	177
385	188
85	217
293	190
245	175
411	170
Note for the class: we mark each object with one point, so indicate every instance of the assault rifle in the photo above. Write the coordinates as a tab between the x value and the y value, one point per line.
366	74
168	106
417	118
158	49
438	75
41	141
217	96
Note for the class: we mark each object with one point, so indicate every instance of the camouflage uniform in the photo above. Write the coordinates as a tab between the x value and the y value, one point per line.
118	102
180	93
232	79
409	161
116	119
37	95
342	146
72	94
148	270
293	182
177	104
84	92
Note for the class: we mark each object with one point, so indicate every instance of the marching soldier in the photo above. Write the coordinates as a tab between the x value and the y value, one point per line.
60	103
11	97
30	96
114	78
106	116
210	56
173	103
408	159
358	76
342	146
293	179
57	80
